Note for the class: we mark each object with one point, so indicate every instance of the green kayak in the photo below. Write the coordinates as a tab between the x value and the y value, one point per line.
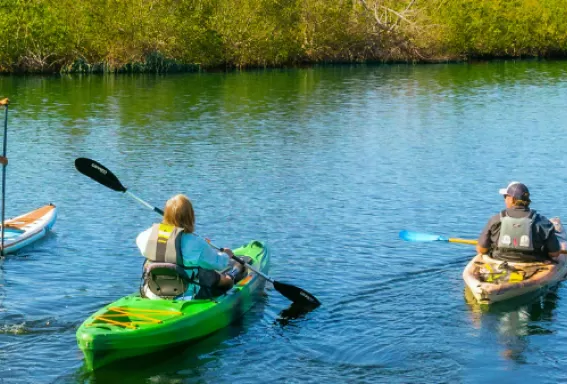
133	325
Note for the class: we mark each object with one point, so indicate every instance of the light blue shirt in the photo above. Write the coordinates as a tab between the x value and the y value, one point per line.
195	250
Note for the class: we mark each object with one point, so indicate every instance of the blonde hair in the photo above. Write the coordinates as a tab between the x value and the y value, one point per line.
179	212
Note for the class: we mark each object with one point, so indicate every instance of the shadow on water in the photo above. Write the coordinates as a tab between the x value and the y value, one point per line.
294	312
514	321
393	282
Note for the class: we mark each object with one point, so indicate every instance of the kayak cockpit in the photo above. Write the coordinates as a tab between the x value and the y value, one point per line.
10	232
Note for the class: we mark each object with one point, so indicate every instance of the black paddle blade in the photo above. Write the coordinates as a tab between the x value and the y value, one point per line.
99	173
295	294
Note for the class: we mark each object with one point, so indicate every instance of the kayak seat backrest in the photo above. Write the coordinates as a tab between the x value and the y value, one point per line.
166	280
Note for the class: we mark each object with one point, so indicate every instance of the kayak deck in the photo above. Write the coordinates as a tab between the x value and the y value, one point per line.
26	220
521	279
132	318
133	325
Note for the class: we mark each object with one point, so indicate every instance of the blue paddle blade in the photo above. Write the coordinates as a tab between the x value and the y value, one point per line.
418	236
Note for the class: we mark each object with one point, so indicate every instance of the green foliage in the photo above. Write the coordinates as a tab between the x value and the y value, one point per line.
504	27
37	37
256	32
186	35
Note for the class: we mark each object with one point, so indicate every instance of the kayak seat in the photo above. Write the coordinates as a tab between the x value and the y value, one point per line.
165	280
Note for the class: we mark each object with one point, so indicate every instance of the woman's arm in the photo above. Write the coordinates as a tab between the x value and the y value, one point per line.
211	258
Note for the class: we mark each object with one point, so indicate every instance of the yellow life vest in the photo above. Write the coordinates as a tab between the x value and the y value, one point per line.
164	244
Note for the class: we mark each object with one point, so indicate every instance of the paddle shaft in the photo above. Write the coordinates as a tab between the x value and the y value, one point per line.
155	209
462	241
4	148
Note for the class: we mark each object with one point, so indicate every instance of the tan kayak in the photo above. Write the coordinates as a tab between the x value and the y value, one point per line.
491	280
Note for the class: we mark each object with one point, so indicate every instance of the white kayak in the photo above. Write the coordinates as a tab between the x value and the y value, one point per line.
27	228
491	280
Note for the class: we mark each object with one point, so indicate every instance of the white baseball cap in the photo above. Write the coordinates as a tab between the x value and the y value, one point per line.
517	190
503	191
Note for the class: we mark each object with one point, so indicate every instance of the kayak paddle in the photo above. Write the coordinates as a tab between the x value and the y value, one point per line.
104	176
419	236
4	102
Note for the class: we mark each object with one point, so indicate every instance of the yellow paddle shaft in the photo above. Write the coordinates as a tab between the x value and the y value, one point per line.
462	241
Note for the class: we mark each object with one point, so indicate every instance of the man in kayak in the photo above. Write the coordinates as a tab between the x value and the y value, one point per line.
173	242
518	233
3	160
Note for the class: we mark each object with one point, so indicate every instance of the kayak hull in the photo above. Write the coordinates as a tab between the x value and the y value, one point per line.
25	229
133	326
542	275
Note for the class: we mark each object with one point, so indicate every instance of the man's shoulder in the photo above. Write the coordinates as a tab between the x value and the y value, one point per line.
543	221
495	219
545	225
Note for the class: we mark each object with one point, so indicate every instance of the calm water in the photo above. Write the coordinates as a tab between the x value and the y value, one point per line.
326	165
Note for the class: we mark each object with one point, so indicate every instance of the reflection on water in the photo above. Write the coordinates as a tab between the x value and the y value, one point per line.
294	312
514	321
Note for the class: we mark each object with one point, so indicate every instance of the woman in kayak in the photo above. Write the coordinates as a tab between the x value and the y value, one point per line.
518	233
173	242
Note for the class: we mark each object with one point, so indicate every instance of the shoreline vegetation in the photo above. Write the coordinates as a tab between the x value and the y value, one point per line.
105	36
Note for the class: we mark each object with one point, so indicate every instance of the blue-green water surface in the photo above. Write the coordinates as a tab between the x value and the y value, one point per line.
326	165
